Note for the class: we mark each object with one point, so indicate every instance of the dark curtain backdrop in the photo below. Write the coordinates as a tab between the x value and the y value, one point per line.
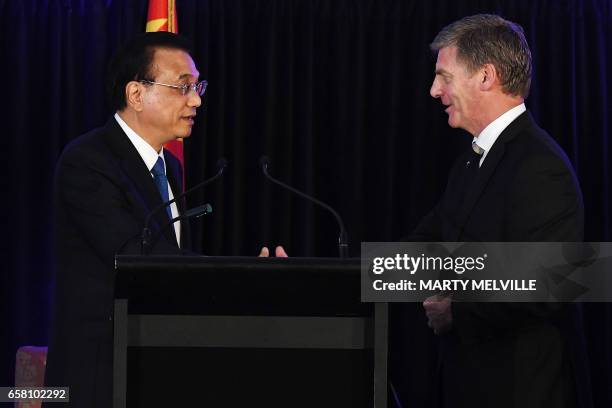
336	93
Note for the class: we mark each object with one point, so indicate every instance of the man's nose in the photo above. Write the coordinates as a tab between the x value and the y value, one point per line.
194	100
434	91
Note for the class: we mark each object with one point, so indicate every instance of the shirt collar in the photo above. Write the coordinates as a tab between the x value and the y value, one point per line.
145	150
489	134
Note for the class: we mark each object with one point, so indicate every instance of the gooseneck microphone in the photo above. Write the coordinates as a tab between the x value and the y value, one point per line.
264	163
195	212
145	241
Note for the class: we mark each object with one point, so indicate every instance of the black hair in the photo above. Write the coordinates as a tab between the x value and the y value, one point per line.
133	62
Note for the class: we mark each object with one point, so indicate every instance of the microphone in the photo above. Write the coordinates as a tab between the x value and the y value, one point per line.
264	163
145	241
196	212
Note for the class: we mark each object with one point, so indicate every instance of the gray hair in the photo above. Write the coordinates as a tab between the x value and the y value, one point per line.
489	39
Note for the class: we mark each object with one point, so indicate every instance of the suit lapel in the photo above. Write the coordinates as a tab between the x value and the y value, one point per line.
473	193
137	173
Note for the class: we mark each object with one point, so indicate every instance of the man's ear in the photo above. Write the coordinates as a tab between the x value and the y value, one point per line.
488	77
133	95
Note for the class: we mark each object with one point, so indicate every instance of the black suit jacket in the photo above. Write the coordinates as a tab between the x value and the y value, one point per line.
103	192
511	354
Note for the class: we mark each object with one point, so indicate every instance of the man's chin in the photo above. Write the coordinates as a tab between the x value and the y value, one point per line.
453	122
183	136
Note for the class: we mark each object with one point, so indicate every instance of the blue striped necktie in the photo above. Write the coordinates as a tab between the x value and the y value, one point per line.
161	181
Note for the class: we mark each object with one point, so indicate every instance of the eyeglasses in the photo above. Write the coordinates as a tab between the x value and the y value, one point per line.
199	87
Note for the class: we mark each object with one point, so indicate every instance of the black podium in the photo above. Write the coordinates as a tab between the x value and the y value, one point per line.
233	331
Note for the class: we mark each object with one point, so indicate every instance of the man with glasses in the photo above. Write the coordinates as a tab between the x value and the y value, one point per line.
106	182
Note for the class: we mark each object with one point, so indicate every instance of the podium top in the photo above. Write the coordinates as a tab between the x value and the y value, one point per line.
240	285
136	262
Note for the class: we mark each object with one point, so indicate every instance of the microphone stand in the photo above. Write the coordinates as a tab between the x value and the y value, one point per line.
145	240
264	162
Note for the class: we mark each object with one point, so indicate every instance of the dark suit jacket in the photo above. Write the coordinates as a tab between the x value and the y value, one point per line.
511	354
103	192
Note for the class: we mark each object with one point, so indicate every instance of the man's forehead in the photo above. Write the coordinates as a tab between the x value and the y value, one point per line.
447	55
189	75
174	63
447	62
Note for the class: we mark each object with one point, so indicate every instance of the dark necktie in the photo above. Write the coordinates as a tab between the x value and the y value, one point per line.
471	169
473	164
161	181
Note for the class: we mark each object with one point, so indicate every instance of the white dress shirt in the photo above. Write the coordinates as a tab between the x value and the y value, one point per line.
489	135
150	156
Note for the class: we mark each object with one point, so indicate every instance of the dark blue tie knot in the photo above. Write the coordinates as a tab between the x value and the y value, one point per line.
159	169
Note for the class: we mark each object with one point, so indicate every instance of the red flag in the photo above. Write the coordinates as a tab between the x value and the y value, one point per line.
162	17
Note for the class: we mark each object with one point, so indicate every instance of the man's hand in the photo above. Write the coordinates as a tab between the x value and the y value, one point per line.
438	312
279	252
